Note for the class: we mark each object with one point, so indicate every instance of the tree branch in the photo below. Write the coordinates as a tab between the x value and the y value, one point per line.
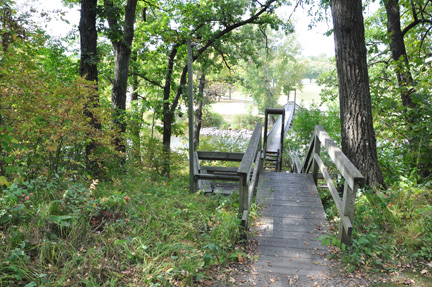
210	42
223	58
144	77
413	24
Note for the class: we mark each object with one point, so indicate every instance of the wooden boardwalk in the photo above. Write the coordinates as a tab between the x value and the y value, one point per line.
293	218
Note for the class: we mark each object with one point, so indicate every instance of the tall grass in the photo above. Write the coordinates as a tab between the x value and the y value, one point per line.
133	230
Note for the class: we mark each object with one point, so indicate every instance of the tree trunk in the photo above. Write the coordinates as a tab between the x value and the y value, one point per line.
88	69
136	122
399	54
118	96
88	39
358	135
198	112
122	53
168	116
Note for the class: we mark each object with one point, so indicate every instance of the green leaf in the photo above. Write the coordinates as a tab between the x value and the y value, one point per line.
4	181
207	259
18	207
119	242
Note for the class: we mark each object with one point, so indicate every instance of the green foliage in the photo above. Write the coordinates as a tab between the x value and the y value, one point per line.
44	130
391	229
304	124
212	119
223	144
245	121
316	66
272	70
98	231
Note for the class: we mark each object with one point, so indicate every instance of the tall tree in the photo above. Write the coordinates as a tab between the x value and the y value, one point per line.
398	51
209	25
357	131
272	69
88	68
121	36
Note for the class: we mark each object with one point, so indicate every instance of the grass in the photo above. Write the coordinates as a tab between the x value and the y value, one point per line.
135	230
310	93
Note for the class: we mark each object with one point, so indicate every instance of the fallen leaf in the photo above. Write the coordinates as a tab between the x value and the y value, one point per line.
424	271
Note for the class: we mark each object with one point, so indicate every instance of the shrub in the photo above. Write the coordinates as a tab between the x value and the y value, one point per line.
211	119
245	121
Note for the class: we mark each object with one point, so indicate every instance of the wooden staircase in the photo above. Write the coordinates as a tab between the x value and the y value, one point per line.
271	161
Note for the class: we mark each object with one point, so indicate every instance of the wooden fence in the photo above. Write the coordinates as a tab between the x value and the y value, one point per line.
246	174
353	177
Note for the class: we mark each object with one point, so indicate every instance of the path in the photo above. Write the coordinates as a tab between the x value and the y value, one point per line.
293	218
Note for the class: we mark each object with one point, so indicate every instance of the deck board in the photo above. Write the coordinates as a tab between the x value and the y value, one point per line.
293	219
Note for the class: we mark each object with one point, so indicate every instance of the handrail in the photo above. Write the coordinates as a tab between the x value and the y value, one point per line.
248	172
246	175
353	178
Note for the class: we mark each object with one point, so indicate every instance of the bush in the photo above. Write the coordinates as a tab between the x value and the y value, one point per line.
211	119
44	130
303	127
245	121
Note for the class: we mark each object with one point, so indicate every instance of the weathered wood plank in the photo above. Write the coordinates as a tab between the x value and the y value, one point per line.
217	177
213	169
330	183
222	156
351	174
205	184
289	228
251	150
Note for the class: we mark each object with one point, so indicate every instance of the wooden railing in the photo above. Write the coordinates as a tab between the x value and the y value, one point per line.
246	174
353	178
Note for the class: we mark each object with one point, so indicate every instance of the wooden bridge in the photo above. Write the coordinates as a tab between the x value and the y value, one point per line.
293	216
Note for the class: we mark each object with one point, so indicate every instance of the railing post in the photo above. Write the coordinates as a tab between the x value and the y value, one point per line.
347	216
316	150
243	193
265	130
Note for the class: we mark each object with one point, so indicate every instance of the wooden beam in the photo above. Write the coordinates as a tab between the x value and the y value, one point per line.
214	169
330	184
217	177
251	150
350	173
222	156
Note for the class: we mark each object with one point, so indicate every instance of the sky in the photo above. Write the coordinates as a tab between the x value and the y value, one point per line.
314	42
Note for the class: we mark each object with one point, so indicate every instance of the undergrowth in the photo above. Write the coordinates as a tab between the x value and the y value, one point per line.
392	230
129	231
